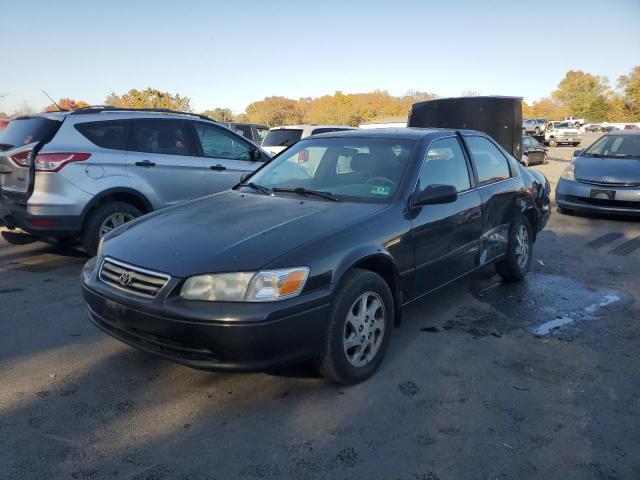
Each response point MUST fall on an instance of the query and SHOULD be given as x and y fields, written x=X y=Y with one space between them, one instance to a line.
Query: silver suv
x=65 y=175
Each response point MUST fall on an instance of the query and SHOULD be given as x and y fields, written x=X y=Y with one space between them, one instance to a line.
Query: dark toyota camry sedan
x=605 y=177
x=314 y=255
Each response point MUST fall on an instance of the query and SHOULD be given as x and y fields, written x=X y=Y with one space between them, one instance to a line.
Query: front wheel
x=104 y=219
x=537 y=130
x=515 y=265
x=359 y=328
x=552 y=142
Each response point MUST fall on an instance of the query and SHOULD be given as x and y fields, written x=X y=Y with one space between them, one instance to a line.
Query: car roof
x=302 y=127
x=407 y=132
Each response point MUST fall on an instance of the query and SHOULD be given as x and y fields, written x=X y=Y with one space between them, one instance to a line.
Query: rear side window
x=23 y=131
x=245 y=130
x=162 y=136
x=491 y=164
x=105 y=134
x=284 y=137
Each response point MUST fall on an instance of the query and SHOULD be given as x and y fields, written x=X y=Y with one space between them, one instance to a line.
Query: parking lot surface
x=483 y=380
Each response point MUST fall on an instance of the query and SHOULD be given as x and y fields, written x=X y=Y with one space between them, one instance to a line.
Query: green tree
x=219 y=114
x=583 y=94
x=630 y=85
x=149 y=98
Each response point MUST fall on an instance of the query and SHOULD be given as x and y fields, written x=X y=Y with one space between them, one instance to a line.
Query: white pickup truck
x=557 y=133
x=576 y=122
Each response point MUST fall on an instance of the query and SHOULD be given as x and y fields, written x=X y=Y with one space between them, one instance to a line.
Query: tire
x=347 y=365
x=575 y=144
x=537 y=130
x=545 y=159
x=513 y=267
x=552 y=142
x=91 y=232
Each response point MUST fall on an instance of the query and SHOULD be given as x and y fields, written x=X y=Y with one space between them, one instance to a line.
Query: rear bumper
x=577 y=196
x=15 y=214
x=234 y=337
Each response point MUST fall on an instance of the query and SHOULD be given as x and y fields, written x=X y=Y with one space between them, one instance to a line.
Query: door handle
x=146 y=163
x=218 y=167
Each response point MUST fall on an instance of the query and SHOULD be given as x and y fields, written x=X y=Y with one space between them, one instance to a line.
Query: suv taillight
x=21 y=159
x=53 y=162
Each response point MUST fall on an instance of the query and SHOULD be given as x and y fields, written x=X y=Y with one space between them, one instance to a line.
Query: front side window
x=490 y=163
x=163 y=137
x=445 y=164
x=111 y=135
x=217 y=143
x=364 y=169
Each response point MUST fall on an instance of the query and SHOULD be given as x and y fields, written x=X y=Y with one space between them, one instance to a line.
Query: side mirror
x=577 y=153
x=437 y=194
x=256 y=155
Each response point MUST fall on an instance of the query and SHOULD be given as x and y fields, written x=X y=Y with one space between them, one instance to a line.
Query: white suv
x=65 y=175
x=280 y=138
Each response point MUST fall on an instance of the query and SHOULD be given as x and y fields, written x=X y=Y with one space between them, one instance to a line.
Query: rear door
x=500 y=188
x=446 y=236
x=17 y=144
x=227 y=157
x=163 y=162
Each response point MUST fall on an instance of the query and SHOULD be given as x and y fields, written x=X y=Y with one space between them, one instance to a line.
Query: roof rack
x=107 y=108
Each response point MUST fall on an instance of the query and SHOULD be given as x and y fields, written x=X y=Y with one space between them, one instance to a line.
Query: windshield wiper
x=304 y=191
x=259 y=188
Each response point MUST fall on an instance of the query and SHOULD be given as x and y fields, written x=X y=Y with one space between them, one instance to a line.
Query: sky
x=230 y=53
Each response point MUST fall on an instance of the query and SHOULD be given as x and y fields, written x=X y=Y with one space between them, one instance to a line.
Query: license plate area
x=603 y=194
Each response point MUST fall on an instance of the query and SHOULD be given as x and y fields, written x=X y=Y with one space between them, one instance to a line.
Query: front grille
x=128 y=278
x=608 y=184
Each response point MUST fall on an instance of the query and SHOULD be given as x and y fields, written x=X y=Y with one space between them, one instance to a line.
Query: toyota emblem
x=126 y=278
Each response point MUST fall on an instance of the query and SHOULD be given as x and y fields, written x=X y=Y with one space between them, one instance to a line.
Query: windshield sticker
x=380 y=190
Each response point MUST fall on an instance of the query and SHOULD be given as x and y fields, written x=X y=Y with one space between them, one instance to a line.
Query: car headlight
x=569 y=172
x=262 y=286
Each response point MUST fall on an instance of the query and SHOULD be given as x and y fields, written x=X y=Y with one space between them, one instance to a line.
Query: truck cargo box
x=499 y=117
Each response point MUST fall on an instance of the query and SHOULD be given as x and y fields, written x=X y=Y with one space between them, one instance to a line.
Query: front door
x=162 y=162
x=227 y=157
x=446 y=236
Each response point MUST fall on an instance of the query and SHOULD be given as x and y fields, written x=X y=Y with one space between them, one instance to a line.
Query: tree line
x=579 y=94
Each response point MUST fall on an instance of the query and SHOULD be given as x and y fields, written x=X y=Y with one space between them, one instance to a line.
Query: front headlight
x=569 y=172
x=263 y=286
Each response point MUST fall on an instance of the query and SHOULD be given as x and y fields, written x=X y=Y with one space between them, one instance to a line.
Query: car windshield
x=562 y=125
x=360 y=169
x=615 y=146
x=282 y=137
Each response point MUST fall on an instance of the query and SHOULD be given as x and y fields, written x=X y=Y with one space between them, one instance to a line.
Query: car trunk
x=19 y=143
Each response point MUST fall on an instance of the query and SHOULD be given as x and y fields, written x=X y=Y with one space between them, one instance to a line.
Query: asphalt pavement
x=484 y=380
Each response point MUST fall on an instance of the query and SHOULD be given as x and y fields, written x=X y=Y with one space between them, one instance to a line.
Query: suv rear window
x=284 y=137
x=26 y=130
x=105 y=134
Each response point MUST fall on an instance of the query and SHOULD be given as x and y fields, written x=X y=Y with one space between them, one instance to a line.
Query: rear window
x=318 y=131
x=105 y=134
x=23 y=131
x=282 y=137
x=245 y=130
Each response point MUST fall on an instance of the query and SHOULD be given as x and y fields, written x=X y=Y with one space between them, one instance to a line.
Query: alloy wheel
x=522 y=247
x=112 y=221
x=364 y=329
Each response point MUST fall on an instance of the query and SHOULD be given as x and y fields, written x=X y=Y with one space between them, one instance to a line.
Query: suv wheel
x=104 y=219
x=359 y=328
x=537 y=130
x=515 y=265
x=552 y=142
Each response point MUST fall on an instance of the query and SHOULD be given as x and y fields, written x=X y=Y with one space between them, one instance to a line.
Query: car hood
x=230 y=231
x=608 y=170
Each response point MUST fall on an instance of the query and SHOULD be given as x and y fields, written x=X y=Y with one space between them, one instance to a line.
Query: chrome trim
x=146 y=283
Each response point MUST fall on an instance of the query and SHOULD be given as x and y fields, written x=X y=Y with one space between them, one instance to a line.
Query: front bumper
x=568 y=139
x=587 y=197
x=220 y=336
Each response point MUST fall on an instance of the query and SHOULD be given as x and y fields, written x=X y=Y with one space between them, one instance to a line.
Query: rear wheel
x=104 y=219
x=359 y=328
x=552 y=142
x=515 y=265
